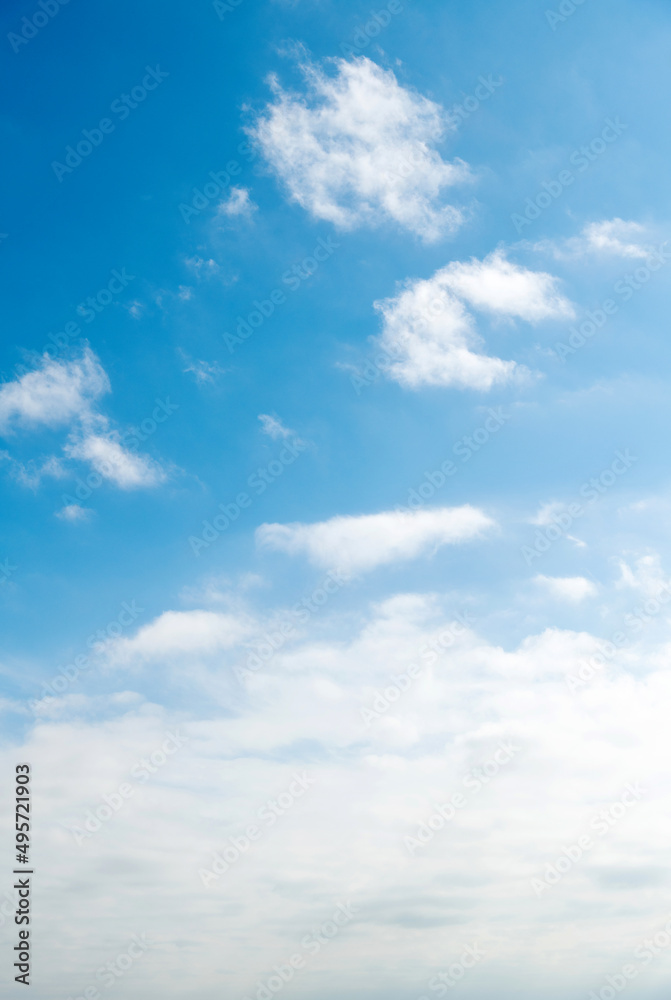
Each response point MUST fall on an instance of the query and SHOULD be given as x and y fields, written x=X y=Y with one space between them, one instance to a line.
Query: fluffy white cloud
x=431 y=338
x=56 y=393
x=358 y=544
x=567 y=588
x=357 y=148
x=179 y=633
x=498 y=286
x=114 y=462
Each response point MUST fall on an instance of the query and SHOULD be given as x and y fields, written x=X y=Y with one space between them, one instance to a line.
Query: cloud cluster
x=388 y=748
x=65 y=392
x=357 y=149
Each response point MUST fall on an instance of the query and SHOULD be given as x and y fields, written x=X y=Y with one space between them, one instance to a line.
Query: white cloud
x=646 y=576
x=376 y=782
x=431 y=338
x=65 y=392
x=114 y=462
x=615 y=236
x=567 y=588
x=74 y=513
x=498 y=286
x=56 y=393
x=274 y=428
x=238 y=203
x=179 y=633
x=32 y=473
x=358 y=544
x=358 y=148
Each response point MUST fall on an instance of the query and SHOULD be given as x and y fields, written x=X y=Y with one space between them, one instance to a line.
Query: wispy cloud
x=617 y=237
x=274 y=428
x=605 y=238
x=32 y=473
x=202 y=267
x=203 y=371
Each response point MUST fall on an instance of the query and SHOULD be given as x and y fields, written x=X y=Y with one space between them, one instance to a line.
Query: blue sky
x=480 y=181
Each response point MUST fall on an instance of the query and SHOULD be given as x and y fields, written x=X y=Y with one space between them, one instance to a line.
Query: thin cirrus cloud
x=204 y=372
x=431 y=337
x=359 y=544
x=274 y=428
x=646 y=575
x=65 y=393
x=357 y=149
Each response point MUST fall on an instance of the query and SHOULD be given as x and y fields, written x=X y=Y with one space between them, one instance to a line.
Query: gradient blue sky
x=362 y=449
